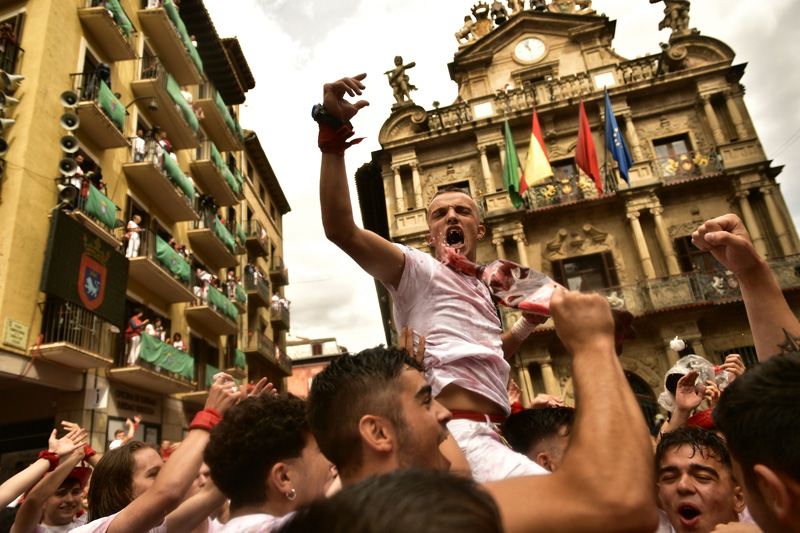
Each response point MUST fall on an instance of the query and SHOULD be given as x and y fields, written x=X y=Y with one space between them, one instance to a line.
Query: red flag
x=585 y=154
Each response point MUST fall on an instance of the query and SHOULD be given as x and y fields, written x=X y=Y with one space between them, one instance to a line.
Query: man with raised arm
x=466 y=349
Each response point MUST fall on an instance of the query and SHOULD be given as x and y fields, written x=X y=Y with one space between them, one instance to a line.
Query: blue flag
x=616 y=144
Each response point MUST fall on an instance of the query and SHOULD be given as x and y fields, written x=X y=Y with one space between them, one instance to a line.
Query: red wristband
x=334 y=141
x=135 y=427
x=88 y=451
x=206 y=419
x=517 y=407
x=50 y=456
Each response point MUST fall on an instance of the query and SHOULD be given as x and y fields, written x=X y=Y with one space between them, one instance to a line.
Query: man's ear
x=377 y=433
x=428 y=238
x=481 y=231
x=544 y=461
x=776 y=490
x=280 y=478
x=738 y=499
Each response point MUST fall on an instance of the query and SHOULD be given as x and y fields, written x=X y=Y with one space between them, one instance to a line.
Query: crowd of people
x=430 y=436
x=138 y=325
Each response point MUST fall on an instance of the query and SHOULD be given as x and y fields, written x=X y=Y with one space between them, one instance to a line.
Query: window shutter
x=611 y=268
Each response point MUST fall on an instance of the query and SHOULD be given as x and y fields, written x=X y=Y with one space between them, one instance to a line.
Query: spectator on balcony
x=7 y=36
x=153 y=4
x=134 y=335
x=201 y=289
x=231 y=285
x=250 y=272
x=177 y=342
x=138 y=146
x=134 y=240
x=276 y=303
x=156 y=330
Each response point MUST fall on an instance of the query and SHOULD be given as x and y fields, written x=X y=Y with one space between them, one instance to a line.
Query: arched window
x=645 y=397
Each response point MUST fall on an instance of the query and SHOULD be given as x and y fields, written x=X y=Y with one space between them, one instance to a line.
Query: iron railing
x=260 y=342
x=68 y=322
x=253 y=282
x=688 y=165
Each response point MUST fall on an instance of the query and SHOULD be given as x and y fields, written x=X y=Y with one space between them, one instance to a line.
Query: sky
x=294 y=47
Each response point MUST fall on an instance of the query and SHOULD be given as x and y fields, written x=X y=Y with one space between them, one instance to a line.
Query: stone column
x=551 y=386
x=637 y=152
x=787 y=247
x=641 y=245
x=522 y=249
x=736 y=116
x=502 y=149
x=716 y=131
x=488 y=180
x=417 y=186
x=750 y=223
x=525 y=383
x=398 y=190
x=664 y=242
x=498 y=246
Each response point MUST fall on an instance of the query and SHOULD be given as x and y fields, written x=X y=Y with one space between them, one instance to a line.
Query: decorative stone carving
x=483 y=24
x=466 y=31
x=588 y=240
x=676 y=15
x=464 y=172
x=681 y=230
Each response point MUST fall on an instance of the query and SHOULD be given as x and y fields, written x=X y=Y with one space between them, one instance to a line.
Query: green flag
x=113 y=107
x=174 y=91
x=177 y=176
x=511 y=169
x=222 y=304
x=171 y=259
x=240 y=294
x=120 y=16
x=166 y=356
x=241 y=360
x=100 y=206
x=240 y=234
x=225 y=114
x=223 y=233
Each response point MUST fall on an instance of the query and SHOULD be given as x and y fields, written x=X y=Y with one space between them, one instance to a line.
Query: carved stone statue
x=483 y=24
x=516 y=6
x=676 y=15
x=398 y=80
x=499 y=13
x=466 y=31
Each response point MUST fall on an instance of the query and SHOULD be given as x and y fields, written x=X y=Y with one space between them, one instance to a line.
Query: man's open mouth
x=454 y=236
x=688 y=512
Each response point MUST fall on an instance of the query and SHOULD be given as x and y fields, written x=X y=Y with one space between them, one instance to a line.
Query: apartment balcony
x=95 y=211
x=278 y=273
x=211 y=173
x=167 y=34
x=257 y=289
x=11 y=56
x=216 y=314
x=688 y=166
x=218 y=122
x=102 y=116
x=160 y=368
x=76 y=338
x=161 y=181
x=238 y=297
x=258 y=345
x=279 y=317
x=213 y=242
x=162 y=270
x=256 y=239
x=411 y=222
x=172 y=112
x=236 y=363
x=114 y=34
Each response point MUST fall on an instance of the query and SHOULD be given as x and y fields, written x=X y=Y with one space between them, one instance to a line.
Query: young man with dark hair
x=541 y=434
x=696 y=485
x=466 y=346
x=607 y=475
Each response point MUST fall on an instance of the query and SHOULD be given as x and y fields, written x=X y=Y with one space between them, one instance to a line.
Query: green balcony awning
x=226 y=173
x=171 y=259
x=222 y=304
x=226 y=114
x=241 y=360
x=120 y=17
x=177 y=176
x=166 y=356
x=223 y=233
x=240 y=234
x=113 y=107
x=174 y=91
x=240 y=294
x=100 y=206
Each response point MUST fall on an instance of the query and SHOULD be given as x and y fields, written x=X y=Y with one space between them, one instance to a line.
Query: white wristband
x=522 y=328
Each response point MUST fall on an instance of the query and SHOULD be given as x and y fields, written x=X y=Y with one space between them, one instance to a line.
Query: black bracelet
x=321 y=115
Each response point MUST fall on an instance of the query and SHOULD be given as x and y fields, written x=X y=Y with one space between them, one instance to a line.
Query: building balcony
x=213 y=242
x=95 y=211
x=236 y=363
x=76 y=338
x=160 y=368
x=278 y=273
x=162 y=270
x=741 y=153
x=160 y=181
x=256 y=239
x=241 y=240
x=258 y=345
x=688 y=166
x=411 y=222
x=11 y=57
x=218 y=122
x=279 y=317
x=168 y=37
x=257 y=289
x=204 y=377
x=211 y=173
x=114 y=34
x=172 y=112
x=238 y=297
x=102 y=116
x=216 y=314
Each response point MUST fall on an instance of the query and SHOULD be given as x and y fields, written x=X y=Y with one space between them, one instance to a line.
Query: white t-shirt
x=101 y=526
x=255 y=523
x=78 y=522
x=462 y=331
x=115 y=444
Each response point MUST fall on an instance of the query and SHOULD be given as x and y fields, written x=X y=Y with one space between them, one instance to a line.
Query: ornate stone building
x=696 y=155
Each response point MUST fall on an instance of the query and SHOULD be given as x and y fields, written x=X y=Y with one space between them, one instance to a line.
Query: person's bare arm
x=195 y=510
x=173 y=481
x=377 y=256
x=522 y=328
x=608 y=476
x=131 y=429
x=776 y=331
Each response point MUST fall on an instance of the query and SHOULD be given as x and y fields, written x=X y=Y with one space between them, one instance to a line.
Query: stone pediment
x=403 y=122
x=694 y=50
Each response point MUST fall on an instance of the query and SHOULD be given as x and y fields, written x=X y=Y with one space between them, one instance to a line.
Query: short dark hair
x=111 y=489
x=349 y=388
x=402 y=501
x=701 y=440
x=530 y=426
x=759 y=417
x=446 y=189
x=251 y=438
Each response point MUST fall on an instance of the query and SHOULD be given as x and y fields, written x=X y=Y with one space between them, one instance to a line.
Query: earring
x=291 y=495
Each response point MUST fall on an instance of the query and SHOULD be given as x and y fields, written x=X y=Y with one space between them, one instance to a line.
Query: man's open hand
x=333 y=96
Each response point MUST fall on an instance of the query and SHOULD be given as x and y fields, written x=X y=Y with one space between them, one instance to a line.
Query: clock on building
x=529 y=49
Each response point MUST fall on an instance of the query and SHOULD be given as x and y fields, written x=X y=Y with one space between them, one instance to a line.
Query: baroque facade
x=696 y=155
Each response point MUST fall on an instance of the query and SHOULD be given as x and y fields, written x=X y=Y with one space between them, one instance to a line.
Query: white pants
x=135 y=348
x=490 y=459
x=133 y=245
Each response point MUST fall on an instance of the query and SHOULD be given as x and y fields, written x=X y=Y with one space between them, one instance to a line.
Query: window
x=644 y=396
x=563 y=170
x=748 y=354
x=587 y=272
x=671 y=147
x=10 y=34
x=463 y=185
x=316 y=349
x=692 y=259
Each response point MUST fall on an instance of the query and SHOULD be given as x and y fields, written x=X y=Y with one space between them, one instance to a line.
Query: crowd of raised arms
x=430 y=436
